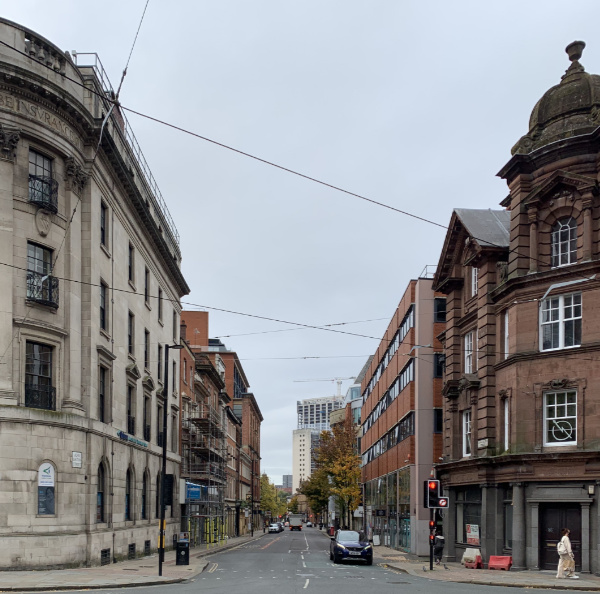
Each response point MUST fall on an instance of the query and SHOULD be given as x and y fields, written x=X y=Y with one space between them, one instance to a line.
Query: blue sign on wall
x=192 y=491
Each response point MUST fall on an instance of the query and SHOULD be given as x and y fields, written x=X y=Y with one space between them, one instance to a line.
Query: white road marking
x=306 y=584
x=303 y=564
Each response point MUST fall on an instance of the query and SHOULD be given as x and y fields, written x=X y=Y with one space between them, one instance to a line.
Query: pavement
x=144 y=572
x=455 y=572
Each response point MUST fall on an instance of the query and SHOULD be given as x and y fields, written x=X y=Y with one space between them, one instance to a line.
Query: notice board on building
x=473 y=534
x=46 y=485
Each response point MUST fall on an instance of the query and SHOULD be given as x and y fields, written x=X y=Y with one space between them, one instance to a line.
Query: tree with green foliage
x=317 y=490
x=269 y=502
x=293 y=505
x=337 y=456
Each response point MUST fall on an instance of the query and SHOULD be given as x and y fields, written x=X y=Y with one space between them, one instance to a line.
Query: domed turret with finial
x=571 y=108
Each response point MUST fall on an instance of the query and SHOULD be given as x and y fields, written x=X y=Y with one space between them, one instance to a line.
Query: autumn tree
x=316 y=488
x=337 y=456
x=269 y=502
x=293 y=505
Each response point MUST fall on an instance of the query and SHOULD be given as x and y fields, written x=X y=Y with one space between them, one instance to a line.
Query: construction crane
x=339 y=381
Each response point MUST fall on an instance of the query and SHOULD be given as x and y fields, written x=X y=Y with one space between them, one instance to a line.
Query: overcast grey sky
x=411 y=103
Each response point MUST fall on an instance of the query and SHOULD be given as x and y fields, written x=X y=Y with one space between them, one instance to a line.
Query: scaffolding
x=204 y=460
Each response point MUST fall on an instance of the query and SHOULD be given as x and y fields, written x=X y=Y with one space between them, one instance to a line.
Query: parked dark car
x=350 y=545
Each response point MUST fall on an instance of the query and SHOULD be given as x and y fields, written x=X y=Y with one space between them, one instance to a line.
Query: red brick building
x=244 y=406
x=522 y=344
x=401 y=419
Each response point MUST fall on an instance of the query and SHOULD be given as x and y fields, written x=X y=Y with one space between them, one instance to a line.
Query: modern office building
x=313 y=413
x=522 y=344
x=402 y=419
x=91 y=284
x=313 y=417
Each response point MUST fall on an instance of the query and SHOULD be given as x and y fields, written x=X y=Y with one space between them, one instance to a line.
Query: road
x=298 y=563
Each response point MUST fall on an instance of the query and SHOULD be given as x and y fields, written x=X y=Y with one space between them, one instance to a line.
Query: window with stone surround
x=466 y=433
x=144 y=506
x=39 y=389
x=131 y=264
x=128 y=501
x=564 y=242
x=470 y=365
x=103 y=306
x=468 y=512
x=474 y=279
x=43 y=188
x=560 y=418
x=560 y=323
x=103 y=224
x=131 y=334
x=100 y=491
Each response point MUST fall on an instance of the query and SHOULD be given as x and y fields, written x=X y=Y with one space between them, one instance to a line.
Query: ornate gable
x=562 y=184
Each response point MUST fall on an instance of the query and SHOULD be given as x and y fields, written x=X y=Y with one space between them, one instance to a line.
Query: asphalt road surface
x=298 y=563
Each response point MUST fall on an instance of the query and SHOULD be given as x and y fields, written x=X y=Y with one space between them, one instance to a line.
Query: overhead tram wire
x=244 y=314
x=68 y=226
x=267 y=162
x=271 y=163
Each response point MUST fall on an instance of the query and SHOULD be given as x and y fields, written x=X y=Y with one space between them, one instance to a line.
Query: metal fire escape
x=204 y=461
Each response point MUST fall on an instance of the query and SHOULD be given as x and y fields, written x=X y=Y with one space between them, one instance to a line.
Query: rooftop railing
x=92 y=61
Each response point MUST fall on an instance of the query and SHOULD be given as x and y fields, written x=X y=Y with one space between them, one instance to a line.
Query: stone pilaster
x=587 y=227
x=9 y=139
x=75 y=180
x=518 y=527
x=533 y=242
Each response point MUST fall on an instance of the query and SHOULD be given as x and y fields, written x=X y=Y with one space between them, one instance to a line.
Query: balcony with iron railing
x=42 y=288
x=43 y=192
x=37 y=396
x=131 y=146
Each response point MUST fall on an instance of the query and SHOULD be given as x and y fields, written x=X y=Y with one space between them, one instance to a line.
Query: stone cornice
x=592 y=347
x=578 y=146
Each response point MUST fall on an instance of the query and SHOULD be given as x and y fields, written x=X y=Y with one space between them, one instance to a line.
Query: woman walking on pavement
x=566 y=563
x=438 y=547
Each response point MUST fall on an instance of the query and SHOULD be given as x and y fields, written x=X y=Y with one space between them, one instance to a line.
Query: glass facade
x=388 y=509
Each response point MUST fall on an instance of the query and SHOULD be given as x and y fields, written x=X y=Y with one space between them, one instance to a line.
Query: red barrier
x=500 y=562
x=477 y=564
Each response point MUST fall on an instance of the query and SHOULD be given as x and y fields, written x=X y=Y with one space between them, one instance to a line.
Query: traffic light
x=431 y=524
x=432 y=495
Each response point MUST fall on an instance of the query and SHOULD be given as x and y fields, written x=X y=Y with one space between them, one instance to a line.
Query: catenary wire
x=265 y=161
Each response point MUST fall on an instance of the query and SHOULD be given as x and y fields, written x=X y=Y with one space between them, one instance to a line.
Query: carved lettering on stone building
x=40 y=115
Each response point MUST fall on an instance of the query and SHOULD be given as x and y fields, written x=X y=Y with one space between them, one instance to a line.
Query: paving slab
x=142 y=571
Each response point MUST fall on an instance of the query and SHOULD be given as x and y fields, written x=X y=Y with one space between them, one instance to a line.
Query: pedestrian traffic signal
x=431 y=524
x=431 y=496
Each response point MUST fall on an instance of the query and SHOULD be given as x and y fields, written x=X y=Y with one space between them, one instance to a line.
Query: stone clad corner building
x=522 y=344
x=91 y=283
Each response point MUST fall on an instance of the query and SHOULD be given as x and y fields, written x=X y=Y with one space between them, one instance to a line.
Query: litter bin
x=331 y=531
x=183 y=553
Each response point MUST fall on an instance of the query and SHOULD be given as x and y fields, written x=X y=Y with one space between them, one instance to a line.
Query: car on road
x=280 y=526
x=274 y=528
x=309 y=524
x=350 y=545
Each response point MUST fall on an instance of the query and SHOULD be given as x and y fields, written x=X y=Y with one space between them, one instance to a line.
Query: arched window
x=564 y=242
x=100 y=495
x=128 y=495
x=145 y=497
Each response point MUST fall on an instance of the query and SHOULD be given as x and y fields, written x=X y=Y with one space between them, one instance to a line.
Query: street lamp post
x=162 y=530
